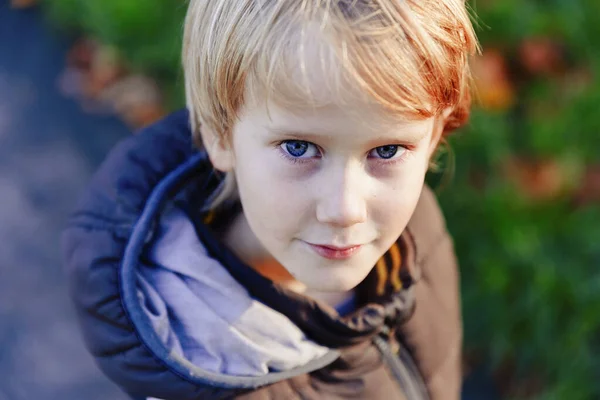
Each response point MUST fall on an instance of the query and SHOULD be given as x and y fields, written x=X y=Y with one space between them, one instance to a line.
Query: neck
x=331 y=298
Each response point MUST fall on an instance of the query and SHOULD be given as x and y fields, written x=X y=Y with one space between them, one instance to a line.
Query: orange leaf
x=494 y=88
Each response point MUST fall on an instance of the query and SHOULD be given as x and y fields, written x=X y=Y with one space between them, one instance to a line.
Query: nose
x=342 y=199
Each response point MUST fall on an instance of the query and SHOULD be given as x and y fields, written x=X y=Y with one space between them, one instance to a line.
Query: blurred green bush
x=523 y=205
x=146 y=33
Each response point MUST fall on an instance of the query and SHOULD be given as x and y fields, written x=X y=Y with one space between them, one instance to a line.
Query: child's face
x=333 y=176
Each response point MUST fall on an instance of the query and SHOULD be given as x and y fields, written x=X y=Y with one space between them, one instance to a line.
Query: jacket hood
x=182 y=291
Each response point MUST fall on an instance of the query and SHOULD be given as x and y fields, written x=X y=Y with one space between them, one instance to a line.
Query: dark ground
x=48 y=148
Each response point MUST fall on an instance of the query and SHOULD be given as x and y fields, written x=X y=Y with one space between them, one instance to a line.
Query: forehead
x=357 y=125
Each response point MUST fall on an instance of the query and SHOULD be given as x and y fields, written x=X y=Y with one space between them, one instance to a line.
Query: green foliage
x=530 y=276
x=147 y=33
x=530 y=280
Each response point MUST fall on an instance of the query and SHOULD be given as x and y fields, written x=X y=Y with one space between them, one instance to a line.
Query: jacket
x=169 y=312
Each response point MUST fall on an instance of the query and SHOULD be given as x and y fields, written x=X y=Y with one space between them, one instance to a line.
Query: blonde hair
x=409 y=56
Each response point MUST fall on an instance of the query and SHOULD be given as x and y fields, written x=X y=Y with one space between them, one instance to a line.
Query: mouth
x=334 y=252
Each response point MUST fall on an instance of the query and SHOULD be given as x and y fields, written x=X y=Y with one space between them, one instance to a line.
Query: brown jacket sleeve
x=434 y=332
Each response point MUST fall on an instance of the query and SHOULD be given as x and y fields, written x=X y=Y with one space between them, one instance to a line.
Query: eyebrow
x=409 y=135
x=412 y=136
x=297 y=134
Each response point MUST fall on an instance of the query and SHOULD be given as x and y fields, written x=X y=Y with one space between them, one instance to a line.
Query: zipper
x=403 y=368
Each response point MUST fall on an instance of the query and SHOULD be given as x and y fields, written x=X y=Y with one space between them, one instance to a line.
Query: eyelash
x=298 y=160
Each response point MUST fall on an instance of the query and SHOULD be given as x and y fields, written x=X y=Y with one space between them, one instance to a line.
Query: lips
x=334 y=252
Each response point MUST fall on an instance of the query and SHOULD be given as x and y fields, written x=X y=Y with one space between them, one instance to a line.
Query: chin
x=332 y=284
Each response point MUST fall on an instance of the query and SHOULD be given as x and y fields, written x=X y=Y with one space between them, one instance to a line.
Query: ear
x=438 y=129
x=219 y=149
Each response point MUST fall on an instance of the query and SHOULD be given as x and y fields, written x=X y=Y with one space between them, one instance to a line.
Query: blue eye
x=296 y=148
x=386 y=152
x=299 y=148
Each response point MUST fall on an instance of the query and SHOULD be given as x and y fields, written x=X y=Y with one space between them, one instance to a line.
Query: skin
x=322 y=176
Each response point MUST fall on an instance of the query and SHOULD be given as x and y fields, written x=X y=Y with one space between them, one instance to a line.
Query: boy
x=296 y=252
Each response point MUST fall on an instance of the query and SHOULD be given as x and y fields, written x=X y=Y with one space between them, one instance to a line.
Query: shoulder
x=94 y=244
x=120 y=186
x=426 y=228
x=434 y=332
x=142 y=159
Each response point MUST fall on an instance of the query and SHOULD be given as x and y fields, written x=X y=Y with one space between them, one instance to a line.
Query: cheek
x=274 y=204
x=397 y=199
